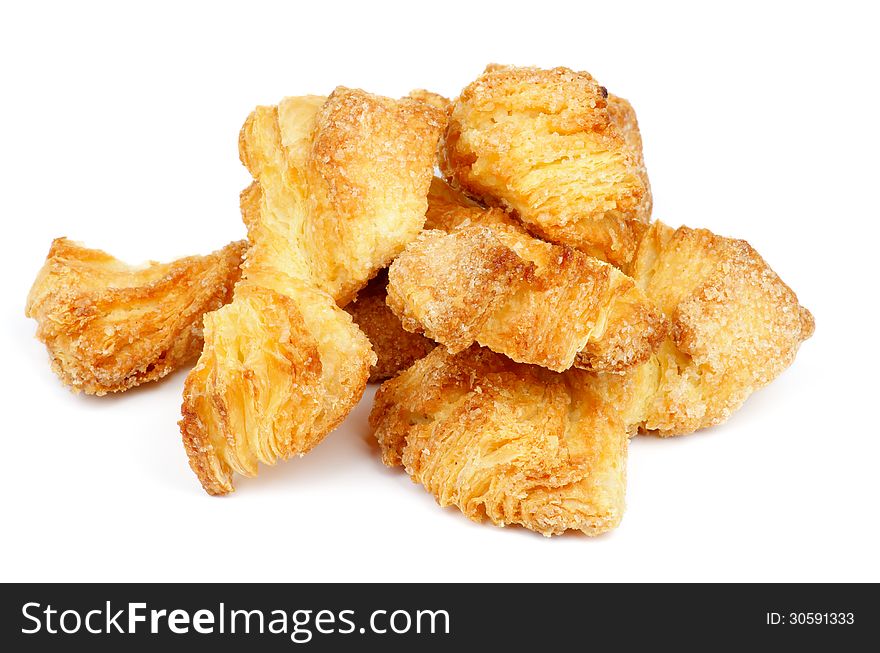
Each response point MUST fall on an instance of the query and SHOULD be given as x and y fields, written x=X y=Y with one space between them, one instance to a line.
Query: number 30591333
x=810 y=618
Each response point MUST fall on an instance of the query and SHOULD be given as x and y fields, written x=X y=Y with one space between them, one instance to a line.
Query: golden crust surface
x=282 y=366
x=109 y=326
x=443 y=106
x=535 y=302
x=550 y=146
x=435 y=100
x=350 y=179
x=623 y=117
x=449 y=209
x=339 y=188
x=504 y=441
x=735 y=326
x=396 y=349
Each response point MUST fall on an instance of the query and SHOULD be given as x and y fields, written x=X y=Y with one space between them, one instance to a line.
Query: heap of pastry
x=526 y=315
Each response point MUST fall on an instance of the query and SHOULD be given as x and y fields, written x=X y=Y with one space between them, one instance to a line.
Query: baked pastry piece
x=504 y=441
x=735 y=326
x=449 y=209
x=439 y=102
x=369 y=160
x=623 y=117
x=436 y=100
x=340 y=187
x=551 y=147
x=519 y=444
x=109 y=326
x=395 y=348
x=535 y=302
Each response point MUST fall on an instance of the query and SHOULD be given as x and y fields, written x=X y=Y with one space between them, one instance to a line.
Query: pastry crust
x=435 y=100
x=449 y=209
x=109 y=326
x=340 y=186
x=735 y=326
x=512 y=443
x=318 y=174
x=396 y=349
x=535 y=302
x=442 y=104
x=519 y=444
x=623 y=117
x=551 y=147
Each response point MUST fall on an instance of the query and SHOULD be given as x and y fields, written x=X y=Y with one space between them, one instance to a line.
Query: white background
x=119 y=129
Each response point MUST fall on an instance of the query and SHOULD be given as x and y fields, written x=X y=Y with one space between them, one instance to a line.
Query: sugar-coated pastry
x=735 y=326
x=533 y=301
x=109 y=326
x=396 y=349
x=340 y=187
x=550 y=146
x=436 y=100
x=368 y=157
x=623 y=117
x=507 y=442
x=449 y=209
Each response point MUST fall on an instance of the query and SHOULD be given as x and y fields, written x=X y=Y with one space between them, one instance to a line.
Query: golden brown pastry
x=449 y=209
x=442 y=104
x=549 y=146
x=340 y=187
x=436 y=100
x=735 y=327
x=535 y=302
x=310 y=184
x=395 y=348
x=519 y=444
x=512 y=443
x=109 y=326
x=623 y=117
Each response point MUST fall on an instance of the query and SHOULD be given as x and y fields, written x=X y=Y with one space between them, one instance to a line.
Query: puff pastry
x=340 y=187
x=353 y=194
x=109 y=326
x=449 y=209
x=435 y=100
x=507 y=442
x=396 y=349
x=519 y=444
x=735 y=326
x=623 y=117
x=535 y=302
x=550 y=146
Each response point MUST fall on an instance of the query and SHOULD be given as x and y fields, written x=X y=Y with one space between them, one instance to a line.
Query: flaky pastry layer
x=504 y=441
x=396 y=349
x=735 y=326
x=535 y=302
x=551 y=146
x=109 y=326
x=339 y=188
x=344 y=182
x=450 y=209
x=623 y=117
